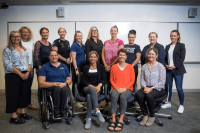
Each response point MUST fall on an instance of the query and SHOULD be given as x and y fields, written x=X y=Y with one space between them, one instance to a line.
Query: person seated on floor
x=55 y=76
x=122 y=78
x=152 y=80
x=93 y=79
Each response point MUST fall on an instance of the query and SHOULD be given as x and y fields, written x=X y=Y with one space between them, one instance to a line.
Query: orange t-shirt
x=122 y=78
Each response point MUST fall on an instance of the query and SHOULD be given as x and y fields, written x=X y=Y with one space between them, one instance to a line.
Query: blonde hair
x=76 y=35
x=31 y=33
x=90 y=32
x=153 y=33
x=61 y=28
x=115 y=26
x=178 y=33
x=10 y=42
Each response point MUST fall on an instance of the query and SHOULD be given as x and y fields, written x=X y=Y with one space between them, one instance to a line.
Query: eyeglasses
x=15 y=36
x=94 y=30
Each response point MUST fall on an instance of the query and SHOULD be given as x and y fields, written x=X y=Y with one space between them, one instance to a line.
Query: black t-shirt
x=93 y=78
x=63 y=47
x=132 y=50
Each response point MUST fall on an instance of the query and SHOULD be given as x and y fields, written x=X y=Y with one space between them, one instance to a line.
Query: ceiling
x=81 y=2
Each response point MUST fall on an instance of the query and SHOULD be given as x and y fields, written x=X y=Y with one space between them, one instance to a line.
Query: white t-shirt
x=29 y=47
x=170 y=55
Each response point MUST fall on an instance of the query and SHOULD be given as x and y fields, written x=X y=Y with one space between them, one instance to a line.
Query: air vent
x=143 y=2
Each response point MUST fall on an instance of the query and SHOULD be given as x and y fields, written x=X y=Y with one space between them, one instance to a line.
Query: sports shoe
x=166 y=105
x=180 y=109
x=87 y=123
x=100 y=117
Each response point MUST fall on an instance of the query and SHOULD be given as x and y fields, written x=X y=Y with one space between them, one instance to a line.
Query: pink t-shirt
x=111 y=50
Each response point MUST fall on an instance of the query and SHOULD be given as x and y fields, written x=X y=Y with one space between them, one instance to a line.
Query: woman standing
x=93 y=80
x=152 y=80
x=26 y=36
x=175 y=56
x=93 y=43
x=153 y=36
x=78 y=58
x=41 y=52
x=122 y=78
x=134 y=52
x=63 y=47
x=109 y=54
x=17 y=69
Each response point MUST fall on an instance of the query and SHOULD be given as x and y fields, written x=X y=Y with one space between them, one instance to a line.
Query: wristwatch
x=76 y=69
x=153 y=88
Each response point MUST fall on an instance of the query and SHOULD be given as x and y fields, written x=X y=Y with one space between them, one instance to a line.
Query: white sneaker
x=166 y=105
x=180 y=109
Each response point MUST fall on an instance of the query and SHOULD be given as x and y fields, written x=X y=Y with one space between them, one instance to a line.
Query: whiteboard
x=190 y=36
x=142 y=28
x=52 y=26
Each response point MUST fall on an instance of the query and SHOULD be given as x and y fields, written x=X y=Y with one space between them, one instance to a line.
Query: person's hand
x=172 y=67
x=56 y=83
x=77 y=72
x=167 y=66
x=62 y=85
x=108 y=68
x=39 y=67
x=68 y=60
x=26 y=75
x=98 y=88
x=22 y=75
x=32 y=70
x=147 y=90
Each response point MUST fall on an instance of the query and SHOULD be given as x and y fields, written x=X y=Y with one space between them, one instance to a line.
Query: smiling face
x=93 y=58
x=45 y=34
x=122 y=57
x=62 y=33
x=15 y=38
x=153 y=38
x=79 y=37
x=53 y=57
x=25 y=34
x=131 y=38
x=174 y=37
x=113 y=32
x=94 y=32
x=152 y=56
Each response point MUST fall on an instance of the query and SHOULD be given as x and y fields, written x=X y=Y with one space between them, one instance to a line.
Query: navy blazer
x=161 y=53
x=178 y=57
x=101 y=75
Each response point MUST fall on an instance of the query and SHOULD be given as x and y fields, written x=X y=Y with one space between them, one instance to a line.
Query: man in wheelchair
x=56 y=77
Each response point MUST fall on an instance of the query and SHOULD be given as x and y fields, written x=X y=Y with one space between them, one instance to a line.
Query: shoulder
x=181 y=44
x=129 y=66
x=107 y=41
x=38 y=43
x=137 y=46
x=161 y=65
x=7 y=50
x=159 y=45
x=120 y=41
x=145 y=66
x=114 y=66
x=100 y=66
x=86 y=67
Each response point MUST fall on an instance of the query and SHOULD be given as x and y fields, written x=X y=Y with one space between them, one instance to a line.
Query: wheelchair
x=47 y=108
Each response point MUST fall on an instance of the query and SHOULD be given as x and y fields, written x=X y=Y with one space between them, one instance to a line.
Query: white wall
x=99 y=13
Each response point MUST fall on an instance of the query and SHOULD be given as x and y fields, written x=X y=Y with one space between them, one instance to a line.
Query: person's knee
x=122 y=98
x=57 y=89
x=149 y=96
x=65 y=89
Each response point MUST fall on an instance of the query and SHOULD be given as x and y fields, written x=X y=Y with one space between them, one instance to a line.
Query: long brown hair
x=10 y=42
x=178 y=33
x=76 y=35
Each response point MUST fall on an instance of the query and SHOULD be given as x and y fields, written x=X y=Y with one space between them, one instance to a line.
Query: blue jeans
x=179 y=83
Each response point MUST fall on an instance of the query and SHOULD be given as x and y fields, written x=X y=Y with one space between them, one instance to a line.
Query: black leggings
x=17 y=92
x=142 y=97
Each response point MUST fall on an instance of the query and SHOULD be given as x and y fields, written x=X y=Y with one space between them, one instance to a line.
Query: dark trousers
x=17 y=92
x=108 y=83
x=142 y=97
x=39 y=90
x=179 y=83
x=30 y=84
x=60 y=97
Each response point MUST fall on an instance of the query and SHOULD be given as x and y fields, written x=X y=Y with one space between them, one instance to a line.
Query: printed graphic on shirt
x=130 y=50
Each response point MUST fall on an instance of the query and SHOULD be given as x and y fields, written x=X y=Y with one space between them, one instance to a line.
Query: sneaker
x=63 y=113
x=25 y=116
x=17 y=120
x=57 y=114
x=79 y=105
x=166 y=105
x=87 y=123
x=180 y=109
x=100 y=117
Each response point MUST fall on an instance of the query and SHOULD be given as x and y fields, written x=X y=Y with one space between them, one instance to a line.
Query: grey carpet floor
x=188 y=122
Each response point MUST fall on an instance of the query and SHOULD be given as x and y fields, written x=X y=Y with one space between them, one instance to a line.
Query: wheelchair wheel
x=44 y=107
x=70 y=106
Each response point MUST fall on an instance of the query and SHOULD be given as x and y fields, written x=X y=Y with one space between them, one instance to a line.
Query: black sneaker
x=17 y=120
x=63 y=113
x=57 y=114
x=25 y=116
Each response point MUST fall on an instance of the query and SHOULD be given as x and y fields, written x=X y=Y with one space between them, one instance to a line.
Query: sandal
x=121 y=126
x=112 y=126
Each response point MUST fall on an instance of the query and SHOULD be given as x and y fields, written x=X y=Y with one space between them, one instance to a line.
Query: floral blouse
x=153 y=76
x=13 y=58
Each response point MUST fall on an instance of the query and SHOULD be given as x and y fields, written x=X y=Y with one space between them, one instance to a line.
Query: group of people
x=112 y=62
